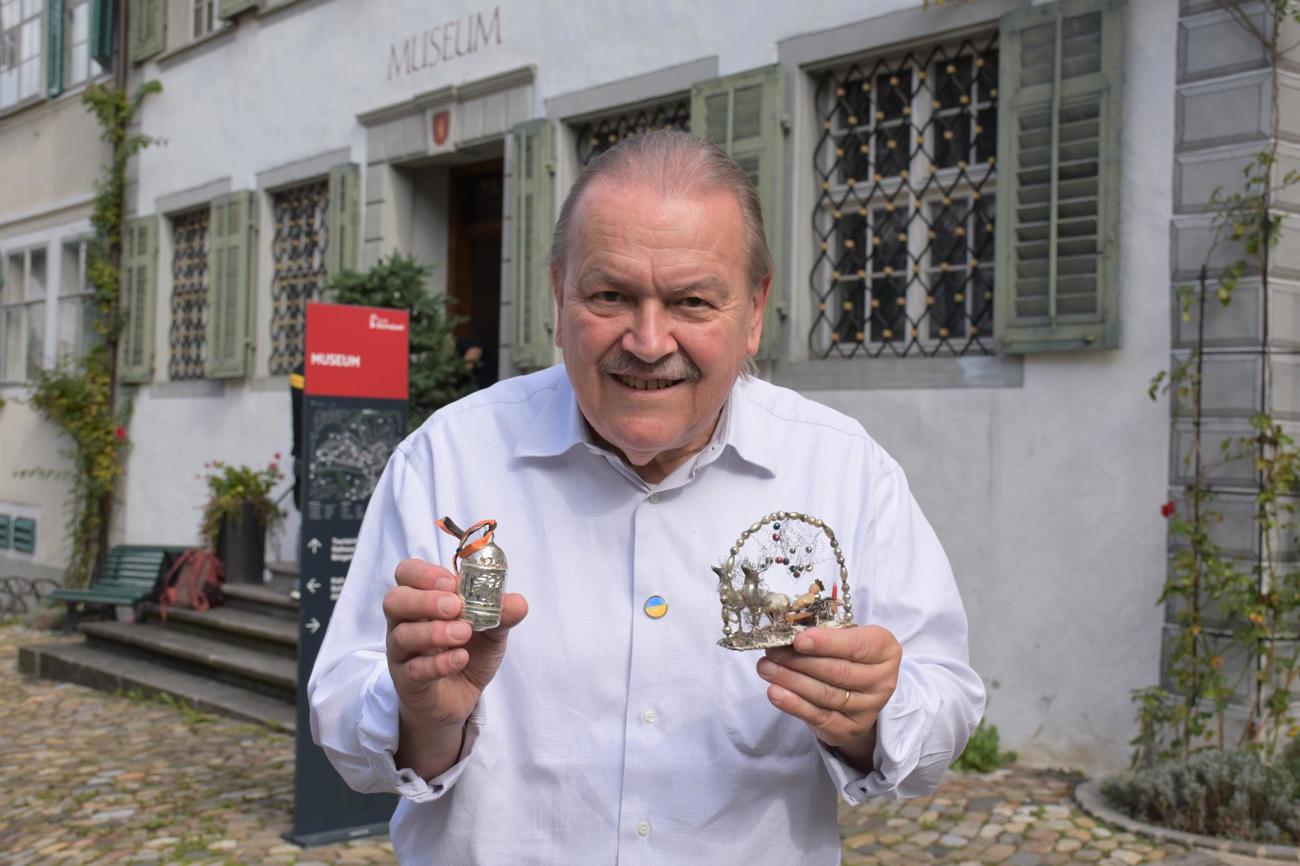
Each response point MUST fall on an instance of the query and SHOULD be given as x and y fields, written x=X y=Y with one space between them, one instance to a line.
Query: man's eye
x=608 y=297
x=694 y=303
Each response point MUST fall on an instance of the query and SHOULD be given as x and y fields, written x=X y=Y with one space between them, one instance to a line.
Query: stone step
x=245 y=627
x=98 y=668
x=278 y=597
x=283 y=569
x=266 y=673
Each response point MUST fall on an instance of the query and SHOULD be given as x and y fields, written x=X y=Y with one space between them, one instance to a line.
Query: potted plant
x=237 y=515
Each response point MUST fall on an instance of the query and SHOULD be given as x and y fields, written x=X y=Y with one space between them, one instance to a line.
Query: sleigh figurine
x=777 y=553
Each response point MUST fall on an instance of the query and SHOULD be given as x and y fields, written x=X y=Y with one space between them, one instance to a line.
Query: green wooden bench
x=128 y=577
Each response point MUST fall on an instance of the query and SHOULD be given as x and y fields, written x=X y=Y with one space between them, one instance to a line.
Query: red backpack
x=193 y=581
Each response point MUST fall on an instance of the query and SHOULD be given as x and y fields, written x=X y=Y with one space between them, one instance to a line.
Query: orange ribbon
x=466 y=546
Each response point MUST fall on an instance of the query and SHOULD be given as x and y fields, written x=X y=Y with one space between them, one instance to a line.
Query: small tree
x=438 y=373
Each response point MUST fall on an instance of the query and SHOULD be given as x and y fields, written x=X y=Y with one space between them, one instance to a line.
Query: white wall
x=1045 y=495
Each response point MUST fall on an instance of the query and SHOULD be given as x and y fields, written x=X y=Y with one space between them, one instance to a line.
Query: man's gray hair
x=676 y=164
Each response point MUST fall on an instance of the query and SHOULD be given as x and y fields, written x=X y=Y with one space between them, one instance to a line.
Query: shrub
x=982 y=753
x=438 y=374
x=1234 y=795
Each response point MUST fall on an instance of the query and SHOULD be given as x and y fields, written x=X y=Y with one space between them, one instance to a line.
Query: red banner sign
x=357 y=352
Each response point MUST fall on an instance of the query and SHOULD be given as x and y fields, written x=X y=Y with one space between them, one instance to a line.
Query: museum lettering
x=443 y=43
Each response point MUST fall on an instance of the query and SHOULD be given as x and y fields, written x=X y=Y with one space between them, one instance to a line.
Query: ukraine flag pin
x=655 y=606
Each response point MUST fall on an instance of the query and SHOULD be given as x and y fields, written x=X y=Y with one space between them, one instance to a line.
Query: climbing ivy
x=79 y=396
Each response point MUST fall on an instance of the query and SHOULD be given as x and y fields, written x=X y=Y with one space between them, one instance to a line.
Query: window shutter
x=139 y=276
x=5 y=524
x=101 y=31
x=1060 y=76
x=231 y=8
x=24 y=535
x=55 y=23
x=148 y=29
x=230 y=275
x=343 y=220
x=534 y=219
x=744 y=115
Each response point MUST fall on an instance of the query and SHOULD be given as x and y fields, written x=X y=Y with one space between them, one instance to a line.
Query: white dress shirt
x=608 y=736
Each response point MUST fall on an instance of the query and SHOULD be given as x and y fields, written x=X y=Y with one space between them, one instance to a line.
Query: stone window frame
x=803 y=58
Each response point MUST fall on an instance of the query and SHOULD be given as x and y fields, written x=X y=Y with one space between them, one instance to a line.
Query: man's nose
x=649 y=336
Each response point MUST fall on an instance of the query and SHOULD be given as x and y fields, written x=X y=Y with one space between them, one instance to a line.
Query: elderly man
x=591 y=726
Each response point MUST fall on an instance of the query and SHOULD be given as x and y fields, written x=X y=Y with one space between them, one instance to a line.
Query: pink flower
x=276 y=455
x=120 y=433
x=1167 y=510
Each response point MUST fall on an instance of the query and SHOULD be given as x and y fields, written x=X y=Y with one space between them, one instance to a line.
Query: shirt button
x=643 y=829
x=654 y=498
x=649 y=716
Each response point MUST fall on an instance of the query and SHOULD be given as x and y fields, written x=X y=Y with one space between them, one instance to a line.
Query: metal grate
x=903 y=220
x=298 y=250
x=599 y=135
x=191 y=238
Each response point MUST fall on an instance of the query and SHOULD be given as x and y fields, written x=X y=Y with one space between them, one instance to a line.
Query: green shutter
x=1060 y=79
x=139 y=278
x=5 y=524
x=230 y=277
x=24 y=535
x=56 y=20
x=744 y=114
x=534 y=220
x=148 y=29
x=102 y=19
x=343 y=220
x=231 y=8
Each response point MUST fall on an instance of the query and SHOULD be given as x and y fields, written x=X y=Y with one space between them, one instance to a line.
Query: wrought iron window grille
x=299 y=271
x=191 y=244
x=596 y=136
x=905 y=167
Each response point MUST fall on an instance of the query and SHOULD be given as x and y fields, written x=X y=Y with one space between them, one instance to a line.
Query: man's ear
x=759 y=300
x=557 y=291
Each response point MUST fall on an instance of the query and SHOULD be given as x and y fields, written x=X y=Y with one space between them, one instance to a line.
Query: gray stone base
x=1089 y=797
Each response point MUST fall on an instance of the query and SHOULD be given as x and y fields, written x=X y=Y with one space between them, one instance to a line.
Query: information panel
x=354 y=415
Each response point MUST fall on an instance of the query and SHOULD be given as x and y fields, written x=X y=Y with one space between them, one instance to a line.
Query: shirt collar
x=559 y=427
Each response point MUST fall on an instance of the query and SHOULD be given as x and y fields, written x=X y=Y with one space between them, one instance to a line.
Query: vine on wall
x=1224 y=608
x=80 y=396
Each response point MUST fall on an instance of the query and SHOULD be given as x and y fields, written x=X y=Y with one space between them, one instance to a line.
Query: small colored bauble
x=770 y=606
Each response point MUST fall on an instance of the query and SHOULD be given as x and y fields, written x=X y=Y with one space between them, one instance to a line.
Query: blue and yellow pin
x=655 y=606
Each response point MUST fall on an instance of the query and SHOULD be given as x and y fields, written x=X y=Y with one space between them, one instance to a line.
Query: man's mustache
x=675 y=366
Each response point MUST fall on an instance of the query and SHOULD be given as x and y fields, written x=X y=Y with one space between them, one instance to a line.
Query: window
x=80 y=65
x=77 y=313
x=594 y=137
x=20 y=50
x=904 y=216
x=300 y=271
x=22 y=315
x=191 y=244
x=205 y=18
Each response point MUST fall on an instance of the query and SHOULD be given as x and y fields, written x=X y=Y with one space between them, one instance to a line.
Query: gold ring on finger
x=847 y=696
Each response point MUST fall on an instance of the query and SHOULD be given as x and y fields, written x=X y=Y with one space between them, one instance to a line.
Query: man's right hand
x=439 y=665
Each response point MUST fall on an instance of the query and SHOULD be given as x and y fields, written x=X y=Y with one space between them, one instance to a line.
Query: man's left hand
x=837 y=680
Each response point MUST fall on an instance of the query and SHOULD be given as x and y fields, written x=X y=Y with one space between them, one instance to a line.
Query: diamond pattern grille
x=903 y=221
x=598 y=136
x=298 y=250
x=192 y=238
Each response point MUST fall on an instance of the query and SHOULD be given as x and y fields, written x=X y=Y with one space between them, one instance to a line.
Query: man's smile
x=639 y=384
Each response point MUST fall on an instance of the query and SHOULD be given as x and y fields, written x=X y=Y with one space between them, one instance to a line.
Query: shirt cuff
x=900 y=731
x=378 y=734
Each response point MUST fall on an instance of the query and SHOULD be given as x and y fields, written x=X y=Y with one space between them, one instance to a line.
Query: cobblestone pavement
x=87 y=777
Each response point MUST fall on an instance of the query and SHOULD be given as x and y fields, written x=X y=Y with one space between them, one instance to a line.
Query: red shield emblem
x=441 y=126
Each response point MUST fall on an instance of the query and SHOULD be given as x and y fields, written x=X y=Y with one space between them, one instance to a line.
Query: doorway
x=474 y=261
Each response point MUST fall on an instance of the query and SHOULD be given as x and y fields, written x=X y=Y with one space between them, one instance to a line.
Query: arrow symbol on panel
x=313 y=625
x=313 y=585
x=314 y=545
